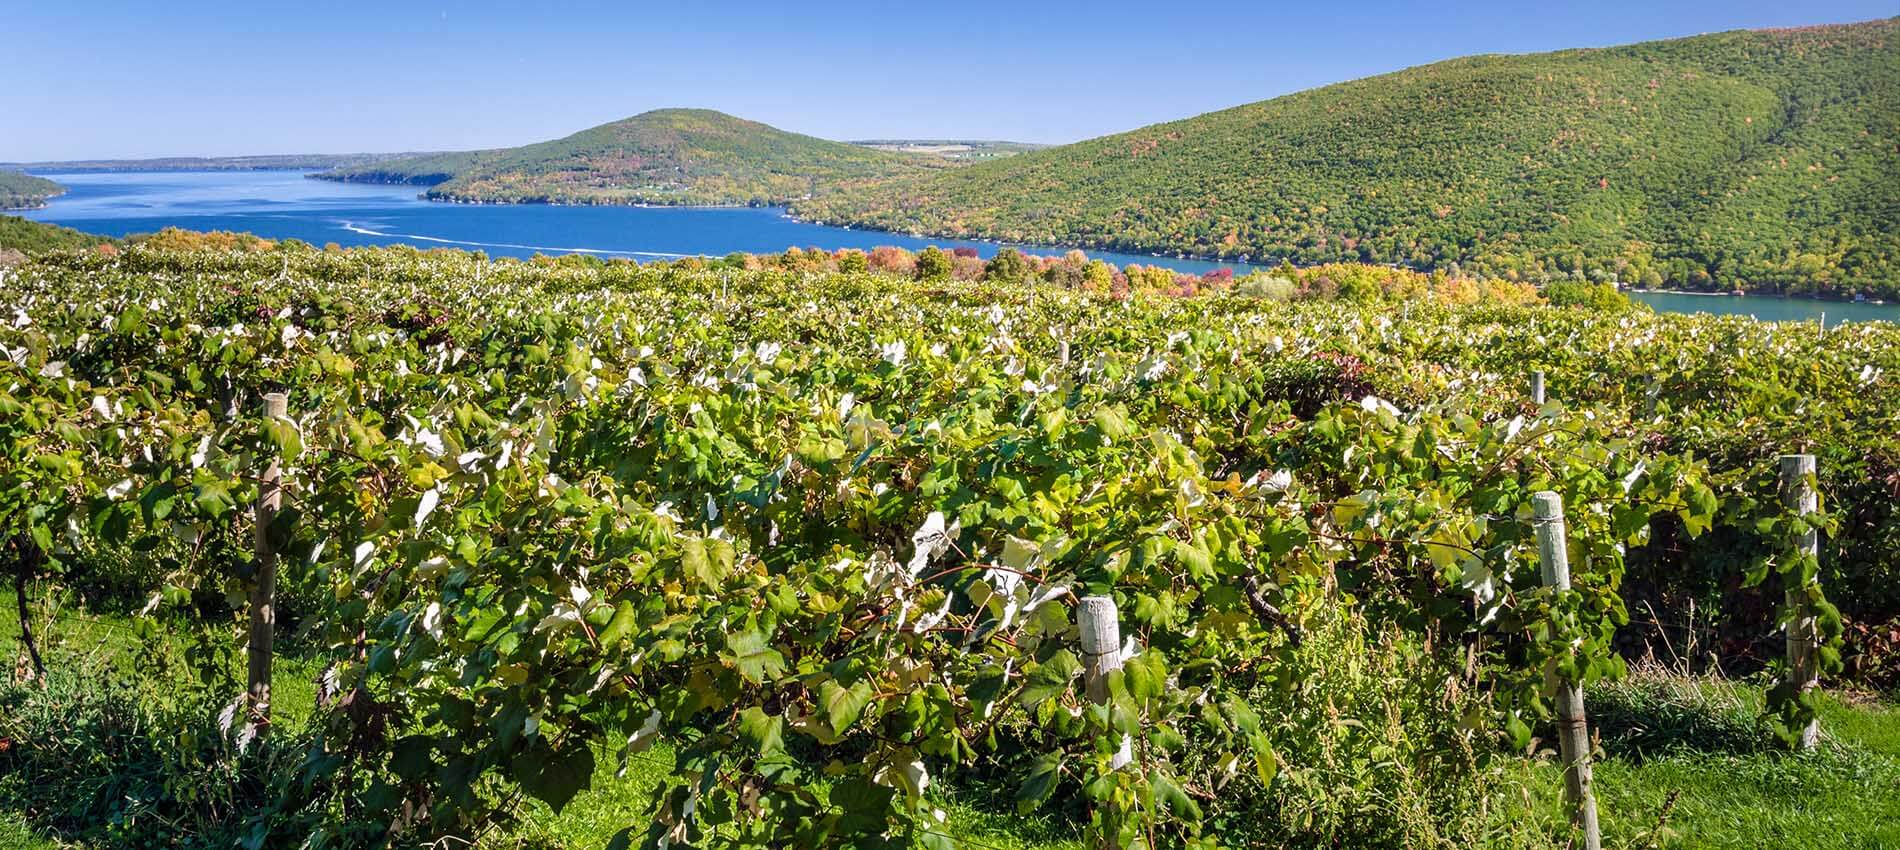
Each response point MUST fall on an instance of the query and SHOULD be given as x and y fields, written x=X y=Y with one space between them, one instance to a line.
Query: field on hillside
x=803 y=551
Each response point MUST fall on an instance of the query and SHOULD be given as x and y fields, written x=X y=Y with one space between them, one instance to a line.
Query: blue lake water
x=286 y=205
x=1769 y=309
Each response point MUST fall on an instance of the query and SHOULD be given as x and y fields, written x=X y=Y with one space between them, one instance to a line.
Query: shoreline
x=539 y=202
x=789 y=212
x=786 y=211
x=1685 y=292
x=1764 y=295
x=1131 y=252
x=41 y=204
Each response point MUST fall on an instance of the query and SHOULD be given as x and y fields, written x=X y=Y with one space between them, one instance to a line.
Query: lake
x=286 y=205
x=1768 y=308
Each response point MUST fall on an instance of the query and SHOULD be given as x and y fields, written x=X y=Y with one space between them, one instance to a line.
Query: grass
x=15 y=835
x=1684 y=766
x=102 y=643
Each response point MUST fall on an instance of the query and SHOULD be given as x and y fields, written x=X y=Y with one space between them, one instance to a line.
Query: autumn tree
x=1098 y=277
x=933 y=263
x=887 y=258
x=1008 y=266
x=853 y=261
x=966 y=268
x=1149 y=279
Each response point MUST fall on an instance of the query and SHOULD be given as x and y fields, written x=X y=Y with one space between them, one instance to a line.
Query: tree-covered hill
x=20 y=236
x=19 y=190
x=421 y=170
x=667 y=156
x=1761 y=159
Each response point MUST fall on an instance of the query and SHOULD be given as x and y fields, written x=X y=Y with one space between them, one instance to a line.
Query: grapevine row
x=822 y=535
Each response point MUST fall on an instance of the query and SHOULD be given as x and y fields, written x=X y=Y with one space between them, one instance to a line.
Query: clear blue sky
x=215 y=77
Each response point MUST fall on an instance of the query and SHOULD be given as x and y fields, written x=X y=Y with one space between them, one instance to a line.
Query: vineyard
x=825 y=550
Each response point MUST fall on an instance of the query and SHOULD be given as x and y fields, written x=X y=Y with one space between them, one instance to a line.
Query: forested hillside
x=19 y=190
x=19 y=236
x=667 y=156
x=1761 y=160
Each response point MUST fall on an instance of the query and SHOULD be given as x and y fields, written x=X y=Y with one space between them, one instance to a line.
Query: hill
x=667 y=156
x=24 y=236
x=19 y=190
x=1761 y=159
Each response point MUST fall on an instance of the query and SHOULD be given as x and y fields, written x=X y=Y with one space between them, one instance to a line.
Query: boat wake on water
x=353 y=227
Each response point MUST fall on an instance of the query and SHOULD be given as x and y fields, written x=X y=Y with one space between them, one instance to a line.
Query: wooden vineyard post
x=1797 y=493
x=263 y=602
x=1101 y=629
x=1573 y=729
x=1651 y=396
x=1101 y=654
x=1537 y=387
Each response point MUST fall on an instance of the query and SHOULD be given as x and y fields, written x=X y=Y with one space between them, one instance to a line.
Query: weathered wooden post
x=1797 y=493
x=1101 y=655
x=1537 y=387
x=1652 y=396
x=263 y=600
x=1573 y=729
x=1101 y=629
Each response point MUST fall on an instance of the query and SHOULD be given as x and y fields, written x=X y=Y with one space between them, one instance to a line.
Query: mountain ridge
x=663 y=156
x=1743 y=158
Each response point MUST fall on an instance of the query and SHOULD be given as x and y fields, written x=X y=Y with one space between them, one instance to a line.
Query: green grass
x=1706 y=776
x=1689 y=747
x=15 y=835
x=99 y=643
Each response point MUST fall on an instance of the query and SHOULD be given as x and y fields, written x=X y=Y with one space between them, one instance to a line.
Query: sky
x=223 y=78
